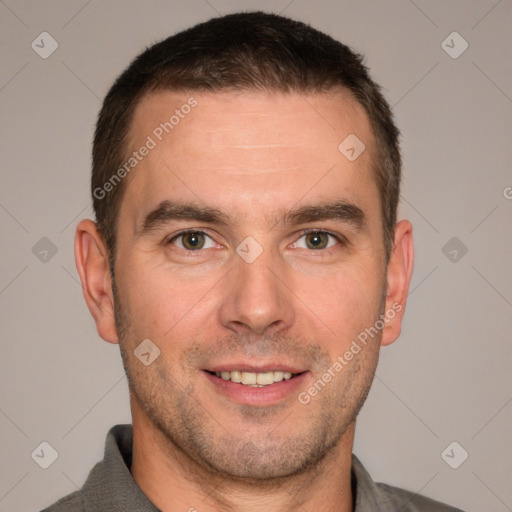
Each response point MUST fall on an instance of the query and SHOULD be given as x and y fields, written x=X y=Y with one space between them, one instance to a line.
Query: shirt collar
x=368 y=496
x=110 y=485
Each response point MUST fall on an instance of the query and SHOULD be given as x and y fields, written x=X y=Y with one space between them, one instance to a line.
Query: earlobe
x=399 y=275
x=91 y=257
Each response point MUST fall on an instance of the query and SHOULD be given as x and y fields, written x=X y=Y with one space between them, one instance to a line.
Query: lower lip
x=262 y=396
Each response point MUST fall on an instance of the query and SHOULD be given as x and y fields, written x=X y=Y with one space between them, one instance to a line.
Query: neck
x=173 y=481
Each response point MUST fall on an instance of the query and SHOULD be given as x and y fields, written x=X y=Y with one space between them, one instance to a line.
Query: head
x=235 y=232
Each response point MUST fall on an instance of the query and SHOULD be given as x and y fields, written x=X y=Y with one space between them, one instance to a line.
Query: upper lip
x=256 y=368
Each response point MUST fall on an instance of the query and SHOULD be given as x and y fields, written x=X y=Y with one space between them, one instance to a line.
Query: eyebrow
x=168 y=211
x=339 y=210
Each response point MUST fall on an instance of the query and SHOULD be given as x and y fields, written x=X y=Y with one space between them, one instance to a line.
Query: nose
x=257 y=299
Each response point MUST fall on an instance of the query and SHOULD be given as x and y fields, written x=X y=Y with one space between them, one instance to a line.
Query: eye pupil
x=317 y=240
x=193 y=240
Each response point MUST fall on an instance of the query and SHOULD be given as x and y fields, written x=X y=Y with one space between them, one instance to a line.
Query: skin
x=253 y=156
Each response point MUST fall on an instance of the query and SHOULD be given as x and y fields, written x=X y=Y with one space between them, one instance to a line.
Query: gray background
x=447 y=379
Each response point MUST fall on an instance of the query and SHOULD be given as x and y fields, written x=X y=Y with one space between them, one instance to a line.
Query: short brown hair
x=243 y=51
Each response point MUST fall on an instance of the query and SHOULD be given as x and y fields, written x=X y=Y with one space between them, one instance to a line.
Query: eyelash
x=339 y=238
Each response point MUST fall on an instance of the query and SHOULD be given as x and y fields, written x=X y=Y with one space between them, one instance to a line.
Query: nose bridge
x=257 y=300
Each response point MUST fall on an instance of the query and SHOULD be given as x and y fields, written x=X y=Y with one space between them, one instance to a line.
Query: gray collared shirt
x=111 y=488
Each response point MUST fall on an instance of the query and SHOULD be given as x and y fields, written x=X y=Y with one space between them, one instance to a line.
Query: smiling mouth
x=255 y=380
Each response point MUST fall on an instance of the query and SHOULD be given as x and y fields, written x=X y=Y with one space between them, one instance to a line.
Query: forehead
x=249 y=119
x=254 y=147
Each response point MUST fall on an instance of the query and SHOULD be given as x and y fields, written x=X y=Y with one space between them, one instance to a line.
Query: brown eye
x=317 y=240
x=193 y=241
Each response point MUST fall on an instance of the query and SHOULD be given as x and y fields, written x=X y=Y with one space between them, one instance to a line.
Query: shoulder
x=71 y=503
x=371 y=495
x=407 y=501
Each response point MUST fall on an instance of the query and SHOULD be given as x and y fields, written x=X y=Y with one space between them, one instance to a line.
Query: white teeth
x=248 y=378
x=278 y=376
x=265 y=378
x=236 y=376
x=255 y=379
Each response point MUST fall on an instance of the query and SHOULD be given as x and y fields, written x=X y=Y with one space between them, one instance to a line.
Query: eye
x=316 y=240
x=193 y=241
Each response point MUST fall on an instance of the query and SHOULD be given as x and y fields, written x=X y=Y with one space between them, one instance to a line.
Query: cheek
x=347 y=301
x=162 y=304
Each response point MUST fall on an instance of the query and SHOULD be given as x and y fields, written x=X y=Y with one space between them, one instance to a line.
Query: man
x=247 y=259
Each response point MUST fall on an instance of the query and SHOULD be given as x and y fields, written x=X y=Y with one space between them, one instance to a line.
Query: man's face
x=247 y=242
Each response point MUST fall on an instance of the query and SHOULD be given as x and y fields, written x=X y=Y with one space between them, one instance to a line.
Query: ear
x=401 y=262
x=91 y=257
